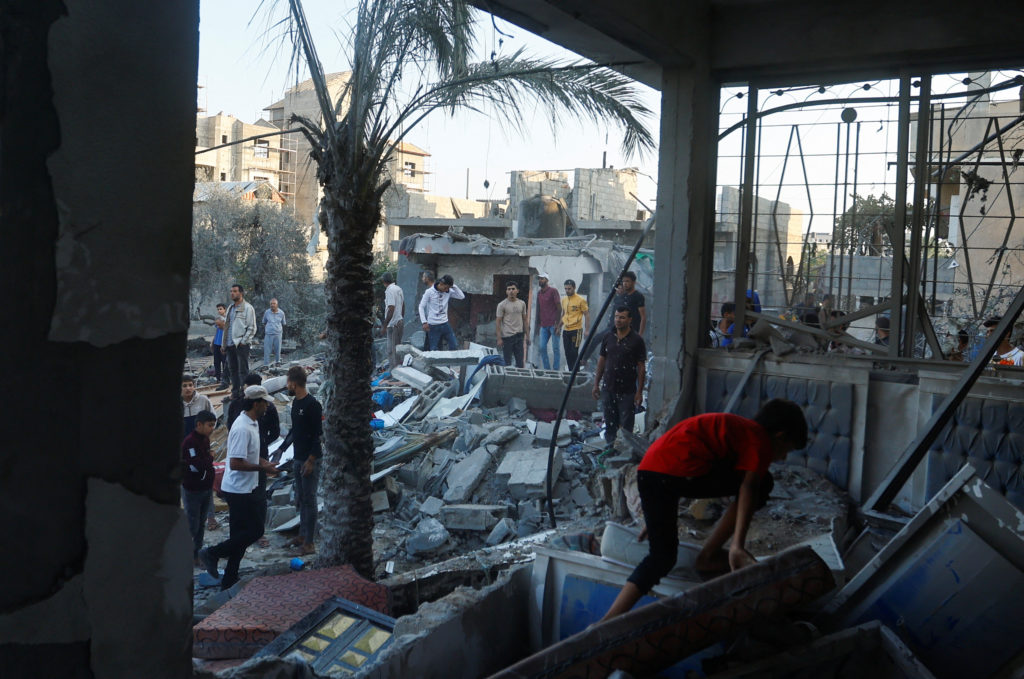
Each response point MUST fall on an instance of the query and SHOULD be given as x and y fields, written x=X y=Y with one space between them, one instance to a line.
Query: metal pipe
x=917 y=215
x=898 y=236
x=746 y=212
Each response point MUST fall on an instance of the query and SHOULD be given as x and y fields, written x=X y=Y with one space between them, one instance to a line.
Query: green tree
x=865 y=226
x=262 y=248
x=408 y=59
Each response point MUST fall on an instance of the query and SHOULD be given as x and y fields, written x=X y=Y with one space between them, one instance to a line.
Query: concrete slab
x=412 y=377
x=545 y=430
x=470 y=356
x=503 y=530
x=466 y=475
x=472 y=517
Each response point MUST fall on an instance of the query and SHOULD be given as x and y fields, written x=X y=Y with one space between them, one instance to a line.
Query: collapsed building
x=928 y=450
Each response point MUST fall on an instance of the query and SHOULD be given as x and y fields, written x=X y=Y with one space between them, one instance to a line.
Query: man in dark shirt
x=307 y=426
x=197 y=477
x=628 y=296
x=622 y=364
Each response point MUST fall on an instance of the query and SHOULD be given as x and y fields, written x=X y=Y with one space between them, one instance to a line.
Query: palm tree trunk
x=347 y=523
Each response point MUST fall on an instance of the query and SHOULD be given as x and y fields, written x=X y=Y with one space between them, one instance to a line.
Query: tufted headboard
x=988 y=433
x=829 y=408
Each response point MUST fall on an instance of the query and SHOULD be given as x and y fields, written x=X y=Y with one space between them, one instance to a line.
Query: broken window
x=261 y=148
x=409 y=169
x=337 y=639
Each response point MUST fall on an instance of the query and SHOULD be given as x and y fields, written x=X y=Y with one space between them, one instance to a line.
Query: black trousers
x=248 y=513
x=619 y=412
x=512 y=349
x=571 y=346
x=659 y=498
x=218 y=363
x=238 y=367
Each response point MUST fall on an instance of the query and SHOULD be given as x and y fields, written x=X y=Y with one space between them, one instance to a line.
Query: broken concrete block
x=545 y=430
x=501 y=435
x=472 y=517
x=469 y=437
x=502 y=531
x=428 y=536
x=429 y=397
x=393 y=488
x=432 y=506
x=277 y=516
x=412 y=377
x=529 y=519
x=516 y=406
x=380 y=501
x=539 y=388
x=527 y=471
x=465 y=475
x=281 y=497
x=581 y=497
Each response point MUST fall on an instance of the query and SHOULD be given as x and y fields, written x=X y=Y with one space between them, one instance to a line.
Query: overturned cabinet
x=950 y=584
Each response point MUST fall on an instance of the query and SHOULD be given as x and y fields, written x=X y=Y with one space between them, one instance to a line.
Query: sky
x=244 y=66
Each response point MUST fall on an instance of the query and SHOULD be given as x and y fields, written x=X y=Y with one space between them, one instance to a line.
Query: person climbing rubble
x=307 y=427
x=709 y=455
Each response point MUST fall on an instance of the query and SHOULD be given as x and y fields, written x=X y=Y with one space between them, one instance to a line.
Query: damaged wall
x=95 y=246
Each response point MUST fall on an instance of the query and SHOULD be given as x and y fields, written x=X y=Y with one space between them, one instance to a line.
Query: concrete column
x=684 y=235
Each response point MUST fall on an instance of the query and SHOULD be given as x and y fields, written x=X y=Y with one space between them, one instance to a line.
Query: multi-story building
x=254 y=161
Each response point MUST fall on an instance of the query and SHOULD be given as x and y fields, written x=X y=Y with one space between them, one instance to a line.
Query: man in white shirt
x=434 y=312
x=1006 y=353
x=394 y=312
x=240 y=488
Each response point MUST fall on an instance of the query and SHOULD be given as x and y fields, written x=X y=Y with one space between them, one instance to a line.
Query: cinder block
x=432 y=506
x=539 y=388
x=472 y=517
x=527 y=472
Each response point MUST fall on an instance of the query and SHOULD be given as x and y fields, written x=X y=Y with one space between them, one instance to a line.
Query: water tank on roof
x=542 y=217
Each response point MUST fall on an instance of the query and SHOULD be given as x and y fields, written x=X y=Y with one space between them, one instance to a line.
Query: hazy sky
x=244 y=66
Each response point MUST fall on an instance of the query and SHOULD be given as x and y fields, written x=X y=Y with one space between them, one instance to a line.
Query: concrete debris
x=380 y=501
x=281 y=497
x=503 y=530
x=516 y=406
x=280 y=515
x=428 y=536
x=501 y=435
x=432 y=506
x=527 y=472
x=472 y=517
x=412 y=377
x=464 y=476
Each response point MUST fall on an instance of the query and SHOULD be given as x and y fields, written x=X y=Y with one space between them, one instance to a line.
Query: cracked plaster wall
x=96 y=133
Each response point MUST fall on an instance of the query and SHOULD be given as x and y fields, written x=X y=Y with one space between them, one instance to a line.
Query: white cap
x=255 y=392
x=541 y=274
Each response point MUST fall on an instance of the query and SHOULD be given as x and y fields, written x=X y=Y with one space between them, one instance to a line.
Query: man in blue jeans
x=434 y=312
x=549 y=310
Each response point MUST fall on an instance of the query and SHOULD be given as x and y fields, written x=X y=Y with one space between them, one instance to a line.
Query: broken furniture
x=950 y=583
x=654 y=637
x=339 y=637
x=268 y=606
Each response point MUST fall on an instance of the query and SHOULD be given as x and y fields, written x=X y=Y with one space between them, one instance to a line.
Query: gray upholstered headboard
x=828 y=406
x=988 y=433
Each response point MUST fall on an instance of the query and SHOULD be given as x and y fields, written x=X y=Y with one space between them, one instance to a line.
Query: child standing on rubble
x=197 y=477
x=710 y=455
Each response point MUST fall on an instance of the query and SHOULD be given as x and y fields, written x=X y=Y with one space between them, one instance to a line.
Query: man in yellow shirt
x=574 y=323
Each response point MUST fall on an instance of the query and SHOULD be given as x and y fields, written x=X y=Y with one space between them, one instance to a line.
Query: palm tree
x=409 y=58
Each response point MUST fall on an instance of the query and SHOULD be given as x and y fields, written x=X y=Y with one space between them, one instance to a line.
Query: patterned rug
x=270 y=605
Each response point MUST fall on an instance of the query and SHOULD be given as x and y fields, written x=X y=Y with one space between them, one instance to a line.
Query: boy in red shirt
x=710 y=455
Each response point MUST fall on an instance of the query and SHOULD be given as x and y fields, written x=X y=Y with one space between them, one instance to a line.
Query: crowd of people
x=253 y=425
